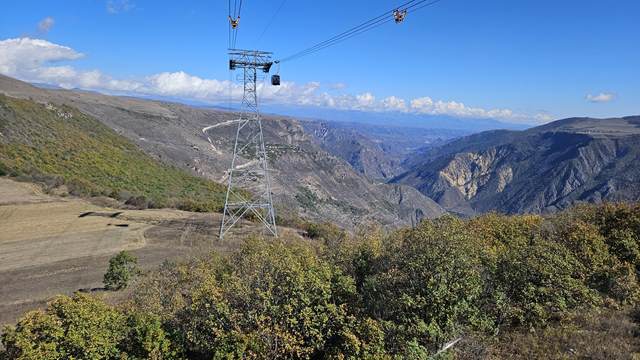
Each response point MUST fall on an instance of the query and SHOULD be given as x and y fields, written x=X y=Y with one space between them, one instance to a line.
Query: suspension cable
x=345 y=33
x=413 y=5
x=272 y=19
x=234 y=16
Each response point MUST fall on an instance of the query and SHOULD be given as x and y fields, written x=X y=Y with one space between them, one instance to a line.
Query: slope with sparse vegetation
x=59 y=145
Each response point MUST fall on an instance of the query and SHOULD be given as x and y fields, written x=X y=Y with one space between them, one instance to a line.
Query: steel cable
x=359 y=29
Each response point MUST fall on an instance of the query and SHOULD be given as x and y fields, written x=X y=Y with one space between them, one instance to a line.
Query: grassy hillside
x=60 y=144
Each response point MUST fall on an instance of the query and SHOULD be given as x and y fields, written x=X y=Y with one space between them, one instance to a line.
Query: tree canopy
x=375 y=295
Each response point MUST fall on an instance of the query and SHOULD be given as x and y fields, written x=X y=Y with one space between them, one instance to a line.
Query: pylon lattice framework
x=249 y=186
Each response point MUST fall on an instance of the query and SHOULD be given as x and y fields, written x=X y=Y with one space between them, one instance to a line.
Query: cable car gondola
x=399 y=15
x=234 y=23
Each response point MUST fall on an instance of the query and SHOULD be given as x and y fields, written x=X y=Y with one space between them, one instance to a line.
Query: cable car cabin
x=234 y=23
x=399 y=15
x=275 y=80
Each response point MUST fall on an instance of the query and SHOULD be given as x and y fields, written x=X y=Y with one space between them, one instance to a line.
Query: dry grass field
x=53 y=245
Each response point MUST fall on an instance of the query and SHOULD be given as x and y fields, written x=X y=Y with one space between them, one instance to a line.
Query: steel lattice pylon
x=249 y=186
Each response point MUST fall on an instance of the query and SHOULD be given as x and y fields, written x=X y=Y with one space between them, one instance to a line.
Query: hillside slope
x=539 y=170
x=63 y=145
x=366 y=156
x=307 y=180
x=376 y=151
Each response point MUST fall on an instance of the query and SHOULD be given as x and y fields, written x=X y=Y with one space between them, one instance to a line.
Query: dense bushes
x=83 y=327
x=374 y=295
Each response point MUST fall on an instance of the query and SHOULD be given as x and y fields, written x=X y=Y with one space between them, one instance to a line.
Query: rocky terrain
x=539 y=170
x=307 y=180
x=375 y=151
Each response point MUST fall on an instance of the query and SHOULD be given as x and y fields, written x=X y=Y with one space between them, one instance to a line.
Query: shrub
x=620 y=282
x=122 y=267
x=426 y=285
x=538 y=281
x=146 y=338
x=324 y=231
x=81 y=327
x=4 y=171
x=620 y=225
x=85 y=327
x=279 y=302
x=139 y=202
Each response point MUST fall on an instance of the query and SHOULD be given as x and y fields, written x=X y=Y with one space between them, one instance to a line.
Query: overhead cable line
x=238 y=19
x=423 y=6
x=336 y=41
x=234 y=21
x=364 y=27
x=346 y=33
x=413 y=5
x=229 y=17
x=272 y=19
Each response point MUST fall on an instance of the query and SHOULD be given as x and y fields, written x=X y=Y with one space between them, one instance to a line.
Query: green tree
x=81 y=327
x=122 y=268
x=425 y=286
x=539 y=280
x=280 y=301
x=85 y=327
x=146 y=338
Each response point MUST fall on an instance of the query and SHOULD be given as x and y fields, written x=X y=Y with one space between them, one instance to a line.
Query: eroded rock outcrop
x=538 y=170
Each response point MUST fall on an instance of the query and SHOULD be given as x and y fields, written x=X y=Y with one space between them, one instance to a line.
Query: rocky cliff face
x=468 y=172
x=307 y=180
x=376 y=151
x=539 y=170
x=364 y=154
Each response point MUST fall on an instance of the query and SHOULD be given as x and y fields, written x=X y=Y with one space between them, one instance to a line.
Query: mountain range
x=539 y=170
x=376 y=151
x=391 y=174
x=307 y=181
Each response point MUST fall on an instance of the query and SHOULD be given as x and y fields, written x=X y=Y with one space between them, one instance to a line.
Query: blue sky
x=520 y=61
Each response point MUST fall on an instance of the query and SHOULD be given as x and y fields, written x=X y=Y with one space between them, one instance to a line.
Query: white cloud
x=422 y=104
x=426 y=105
x=365 y=101
x=45 y=25
x=185 y=85
x=393 y=103
x=26 y=58
x=119 y=6
x=338 y=86
x=601 y=98
x=36 y=60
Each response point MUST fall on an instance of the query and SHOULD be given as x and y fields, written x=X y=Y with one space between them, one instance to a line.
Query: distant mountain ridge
x=542 y=169
x=398 y=119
